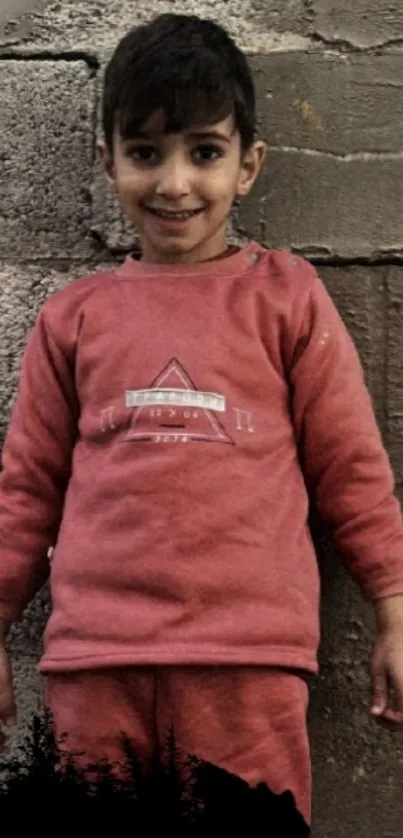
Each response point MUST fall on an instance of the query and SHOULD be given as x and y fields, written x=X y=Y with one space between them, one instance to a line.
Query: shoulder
x=286 y=271
x=291 y=283
x=299 y=297
x=81 y=289
x=61 y=316
x=65 y=304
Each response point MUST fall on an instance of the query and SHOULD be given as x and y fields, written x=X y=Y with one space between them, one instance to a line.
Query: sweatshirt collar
x=237 y=262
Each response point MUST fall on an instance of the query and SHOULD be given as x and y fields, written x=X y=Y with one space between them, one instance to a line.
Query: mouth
x=174 y=215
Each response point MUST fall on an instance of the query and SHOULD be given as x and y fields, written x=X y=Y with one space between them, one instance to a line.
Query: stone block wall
x=330 y=89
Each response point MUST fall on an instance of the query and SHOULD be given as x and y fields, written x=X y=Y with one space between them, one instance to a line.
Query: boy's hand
x=8 y=715
x=387 y=664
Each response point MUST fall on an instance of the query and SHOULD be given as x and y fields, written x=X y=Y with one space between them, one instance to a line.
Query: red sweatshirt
x=170 y=425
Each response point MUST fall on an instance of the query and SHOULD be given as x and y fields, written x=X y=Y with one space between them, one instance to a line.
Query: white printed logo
x=173 y=410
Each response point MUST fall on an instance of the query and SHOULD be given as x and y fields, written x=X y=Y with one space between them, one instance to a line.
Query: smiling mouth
x=174 y=216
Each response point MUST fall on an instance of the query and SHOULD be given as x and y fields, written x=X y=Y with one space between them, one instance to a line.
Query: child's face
x=178 y=189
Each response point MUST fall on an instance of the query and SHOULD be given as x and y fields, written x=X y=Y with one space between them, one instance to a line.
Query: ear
x=251 y=165
x=107 y=163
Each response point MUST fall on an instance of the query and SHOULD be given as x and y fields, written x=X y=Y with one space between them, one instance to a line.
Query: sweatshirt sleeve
x=345 y=463
x=36 y=459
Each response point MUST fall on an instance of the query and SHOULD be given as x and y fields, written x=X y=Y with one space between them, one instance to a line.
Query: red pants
x=249 y=721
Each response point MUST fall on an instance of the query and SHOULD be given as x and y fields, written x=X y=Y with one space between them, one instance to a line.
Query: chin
x=176 y=247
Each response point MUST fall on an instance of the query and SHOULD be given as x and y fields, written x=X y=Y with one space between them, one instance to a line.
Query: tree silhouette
x=179 y=791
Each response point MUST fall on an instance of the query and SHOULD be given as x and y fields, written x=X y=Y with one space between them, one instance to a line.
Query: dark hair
x=186 y=67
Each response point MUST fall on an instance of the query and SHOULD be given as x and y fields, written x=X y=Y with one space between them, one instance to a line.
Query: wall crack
x=7 y=54
x=366 y=156
x=344 y=45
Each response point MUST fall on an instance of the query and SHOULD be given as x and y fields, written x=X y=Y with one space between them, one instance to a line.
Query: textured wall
x=330 y=78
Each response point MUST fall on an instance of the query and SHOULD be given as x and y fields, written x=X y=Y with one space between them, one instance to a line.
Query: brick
x=336 y=103
x=394 y=369
x=97 y=25
x=11 y=12
x=321 y=205
x=46 y=158
x=331 y=182
x=363 y=23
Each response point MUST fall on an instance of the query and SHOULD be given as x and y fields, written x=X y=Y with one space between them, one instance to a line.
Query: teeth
x=181 y=216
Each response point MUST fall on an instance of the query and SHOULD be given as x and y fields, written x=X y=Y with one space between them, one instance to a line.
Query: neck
x=206 y=251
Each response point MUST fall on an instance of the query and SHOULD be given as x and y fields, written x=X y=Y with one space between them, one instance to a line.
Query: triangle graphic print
x=173 y=410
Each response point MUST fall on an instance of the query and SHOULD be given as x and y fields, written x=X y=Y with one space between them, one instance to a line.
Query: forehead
x=155 y=127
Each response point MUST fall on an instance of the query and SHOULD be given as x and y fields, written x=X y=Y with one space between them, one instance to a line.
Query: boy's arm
x=349 y=476
x=36 y=459
x=345 y=464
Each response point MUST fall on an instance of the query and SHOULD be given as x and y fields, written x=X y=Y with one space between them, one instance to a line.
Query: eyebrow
x=194 y=135
x=209 y=135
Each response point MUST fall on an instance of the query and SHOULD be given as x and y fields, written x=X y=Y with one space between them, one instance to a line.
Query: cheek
x=131 y=187
x=223 y=186
x=219 y=194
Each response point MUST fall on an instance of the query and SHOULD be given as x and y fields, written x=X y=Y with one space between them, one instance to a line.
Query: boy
x=173 y=418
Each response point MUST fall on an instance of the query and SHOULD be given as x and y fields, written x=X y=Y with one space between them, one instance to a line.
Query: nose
x=173 y=180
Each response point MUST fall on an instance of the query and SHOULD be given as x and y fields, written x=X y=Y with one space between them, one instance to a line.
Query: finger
x=396 y=679
x=379 y=691
x=8 y=713
x=392 y=715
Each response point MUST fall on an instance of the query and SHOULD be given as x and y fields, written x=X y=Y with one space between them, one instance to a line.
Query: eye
x=143 y=154
x=208 y=153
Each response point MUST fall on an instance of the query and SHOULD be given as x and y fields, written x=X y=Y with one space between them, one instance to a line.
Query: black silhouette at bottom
x=180 y=792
